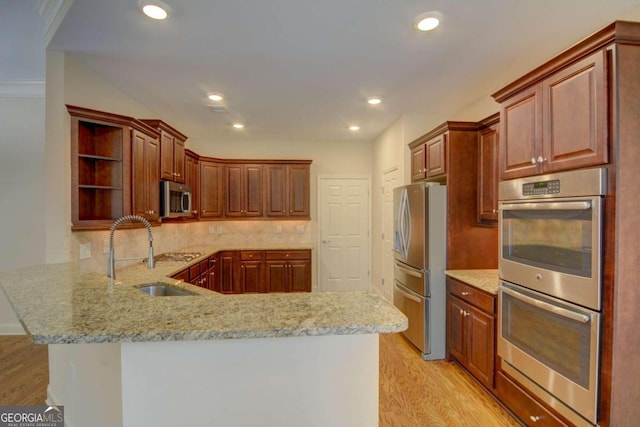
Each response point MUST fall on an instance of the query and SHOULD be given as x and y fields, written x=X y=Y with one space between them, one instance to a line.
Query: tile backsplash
x=176 y=236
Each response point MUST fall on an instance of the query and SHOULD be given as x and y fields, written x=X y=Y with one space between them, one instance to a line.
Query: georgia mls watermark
x=32 y=416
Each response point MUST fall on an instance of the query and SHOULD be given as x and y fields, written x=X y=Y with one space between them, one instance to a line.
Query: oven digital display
x=541 y=188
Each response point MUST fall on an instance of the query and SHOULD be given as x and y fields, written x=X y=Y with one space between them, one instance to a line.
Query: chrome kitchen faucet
x=111 y=268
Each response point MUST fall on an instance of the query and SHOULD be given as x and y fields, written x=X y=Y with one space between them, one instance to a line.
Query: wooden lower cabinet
x=227 y=266
x=251 y=276
x=288 y=271
x=471 y=330
x=527 y=409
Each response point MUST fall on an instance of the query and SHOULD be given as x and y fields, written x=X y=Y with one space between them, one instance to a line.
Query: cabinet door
x=234 y=205
x=227 y=272
x=145 y=192
x=435 y=152
x=213 y=273
x=166 y=159
x=243 y=190
x=455 y=328
x=178 y=160
x=575 y=116
x=488 y=175
x=480 y=341
x=192 y=179
x=276 y=276
x=252 y=190
x=418 y=171
x=276 y=190
x=251 y=277
x=298 y=191
x=299 y=276
x=210 y=189
x=521 y=134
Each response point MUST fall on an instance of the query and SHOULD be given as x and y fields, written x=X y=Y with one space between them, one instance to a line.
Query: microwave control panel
x=541 y=188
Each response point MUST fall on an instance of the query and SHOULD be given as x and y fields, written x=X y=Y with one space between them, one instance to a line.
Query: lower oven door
x=416 y=308
x=554 y=345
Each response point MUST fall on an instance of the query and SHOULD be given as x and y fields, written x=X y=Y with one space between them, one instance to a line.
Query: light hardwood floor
x=413 y=393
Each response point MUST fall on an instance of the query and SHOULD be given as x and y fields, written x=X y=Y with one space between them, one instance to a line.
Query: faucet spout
x=111 y=268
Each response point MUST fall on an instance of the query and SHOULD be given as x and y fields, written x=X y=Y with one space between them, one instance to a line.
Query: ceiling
x=303 y=69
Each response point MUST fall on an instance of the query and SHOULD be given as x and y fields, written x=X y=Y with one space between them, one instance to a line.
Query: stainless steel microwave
x=175 y=199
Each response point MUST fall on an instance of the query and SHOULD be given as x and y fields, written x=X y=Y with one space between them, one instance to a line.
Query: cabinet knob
x=533 y=161
x=495 y=211
x=535 y=418
x=461 y=312
x=541 y=159
x=465 y=293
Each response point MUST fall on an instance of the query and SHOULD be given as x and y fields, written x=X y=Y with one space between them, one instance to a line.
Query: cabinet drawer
x=251 y=255
x=302 y=254
x=472 y=295
x=524 y=406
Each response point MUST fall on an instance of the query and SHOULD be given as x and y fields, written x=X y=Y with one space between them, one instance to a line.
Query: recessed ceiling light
x=154 y=9
x=354 y=128
x=216 y=97
x=374 y=100
x=428 y=21
x=238 y=125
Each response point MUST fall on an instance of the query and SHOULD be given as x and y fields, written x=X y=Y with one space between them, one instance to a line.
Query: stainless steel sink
x=164 y=290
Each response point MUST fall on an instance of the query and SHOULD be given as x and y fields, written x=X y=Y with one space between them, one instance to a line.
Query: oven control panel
x=541 y=188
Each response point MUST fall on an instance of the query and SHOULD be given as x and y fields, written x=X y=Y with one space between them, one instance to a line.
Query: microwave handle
x=583 y=318
x=554 y=206
x=188 y=200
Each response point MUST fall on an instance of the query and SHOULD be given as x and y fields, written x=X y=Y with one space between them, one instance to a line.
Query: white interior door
x=390 y=179
x=343 y=214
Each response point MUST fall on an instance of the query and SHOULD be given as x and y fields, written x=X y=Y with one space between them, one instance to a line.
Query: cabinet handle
x=535 y=418
x=541 y=159
x=465 y=293
x=495 y=211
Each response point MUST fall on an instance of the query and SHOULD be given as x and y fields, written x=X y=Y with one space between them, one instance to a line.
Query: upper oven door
x=553 y=246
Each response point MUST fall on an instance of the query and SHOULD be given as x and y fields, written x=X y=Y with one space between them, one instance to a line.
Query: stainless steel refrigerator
x=420 y=247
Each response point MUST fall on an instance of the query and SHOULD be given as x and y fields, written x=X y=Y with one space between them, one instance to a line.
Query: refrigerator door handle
x=409 y=272
x=407 y=295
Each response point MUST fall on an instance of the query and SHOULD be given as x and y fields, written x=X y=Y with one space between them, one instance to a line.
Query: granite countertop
x=64 y=303
x=486 y=280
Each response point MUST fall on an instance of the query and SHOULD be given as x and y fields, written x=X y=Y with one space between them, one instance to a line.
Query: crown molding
x=52 y=13
x=22 y=89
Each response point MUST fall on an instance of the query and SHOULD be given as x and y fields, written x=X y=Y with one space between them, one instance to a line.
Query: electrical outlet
x=300 y=229
x=278 y=229
x=212 y=230
x=105 y=246
x=85 y=250
x=219 y=229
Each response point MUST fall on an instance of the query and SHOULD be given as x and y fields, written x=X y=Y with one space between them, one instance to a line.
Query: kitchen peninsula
x=118 y=356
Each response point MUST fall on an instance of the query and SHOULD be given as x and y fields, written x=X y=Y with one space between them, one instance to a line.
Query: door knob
x=326 y=241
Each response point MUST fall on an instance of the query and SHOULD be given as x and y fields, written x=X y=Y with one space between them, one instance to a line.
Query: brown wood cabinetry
x=144 y=175
x=227 y=266
x=418 y=166
x=288 y=271
x=428 y=157
x=192 y=179
x=287 y=190
x=211 y=195
x=251 y=276
x=243 y=190
x=172 y=151
x=107 y=152
x=471 y=329
x=488 y=173
x=555 y=123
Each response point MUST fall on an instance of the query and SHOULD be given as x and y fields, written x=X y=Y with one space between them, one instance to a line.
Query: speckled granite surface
x=487 y=280
x=62 y=303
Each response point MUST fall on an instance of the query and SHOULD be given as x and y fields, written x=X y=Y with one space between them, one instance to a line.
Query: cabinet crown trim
x=444 y=127
x=623 y=32
x=161 y=125
x=111 y=118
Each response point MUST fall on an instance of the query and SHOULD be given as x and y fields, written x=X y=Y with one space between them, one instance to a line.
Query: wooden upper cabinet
x=192 y=179
x=488 y=173
x=145 y=155
x=556 y=123
x=211 y=193
x=243 y=190
x=287 y=190
x=435 y=150
x=172 y=151
x=418 y=166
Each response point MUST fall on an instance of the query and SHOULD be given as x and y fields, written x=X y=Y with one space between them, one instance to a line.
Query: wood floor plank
x=24 y=371
x=415 y=393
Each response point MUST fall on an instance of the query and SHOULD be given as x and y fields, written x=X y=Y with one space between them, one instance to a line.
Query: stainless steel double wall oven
x=550 y=268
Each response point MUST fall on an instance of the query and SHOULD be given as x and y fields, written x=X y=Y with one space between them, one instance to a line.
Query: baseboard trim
x=11 y=329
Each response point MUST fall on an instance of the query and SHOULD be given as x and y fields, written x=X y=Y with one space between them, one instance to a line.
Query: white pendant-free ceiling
x=306 y=68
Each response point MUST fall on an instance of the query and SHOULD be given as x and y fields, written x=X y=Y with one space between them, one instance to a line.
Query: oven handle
x=556 y=206
x=583 y=318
